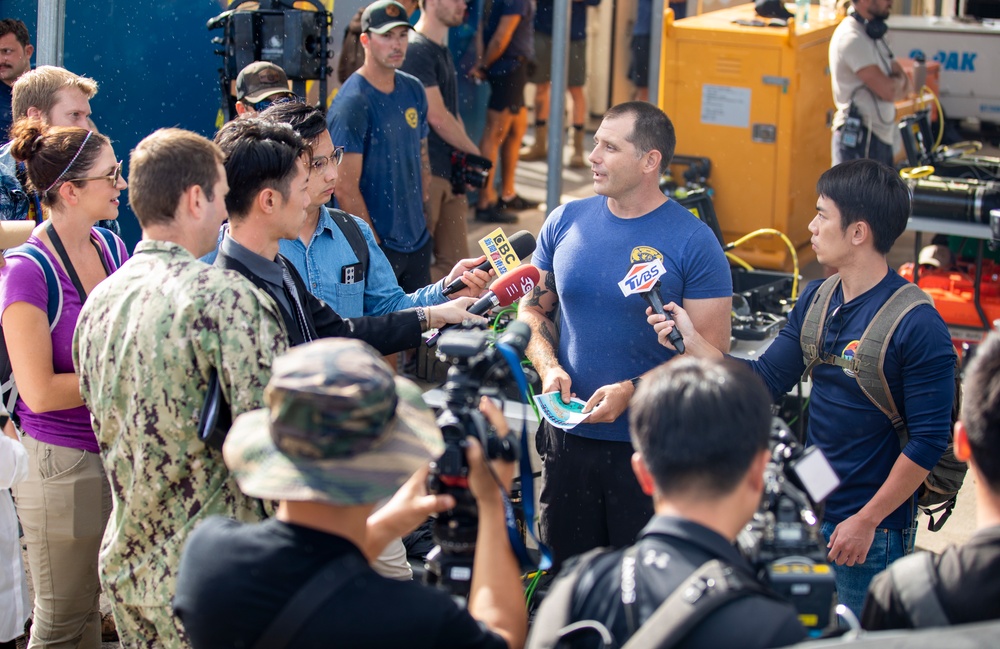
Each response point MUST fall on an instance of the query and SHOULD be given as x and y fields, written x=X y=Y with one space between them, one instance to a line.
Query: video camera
x=783 y=540
x=478 y=368
x=468 y=169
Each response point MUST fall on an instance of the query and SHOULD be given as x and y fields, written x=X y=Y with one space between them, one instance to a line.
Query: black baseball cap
x=380 y=17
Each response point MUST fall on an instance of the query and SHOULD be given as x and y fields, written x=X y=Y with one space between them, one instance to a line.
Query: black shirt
x=388 y=333
x=669 y=550
x=432 y=64
x=235 y=578
x=967 y=585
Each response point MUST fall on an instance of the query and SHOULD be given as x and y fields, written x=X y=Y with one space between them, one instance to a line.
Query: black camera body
x=477 y=369
x=783 y=541
x=468 y=169
x=852 y=133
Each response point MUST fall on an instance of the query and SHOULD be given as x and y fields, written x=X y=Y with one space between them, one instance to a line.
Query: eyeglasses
x=274 y=100
x=113 y=178
x=319 y=163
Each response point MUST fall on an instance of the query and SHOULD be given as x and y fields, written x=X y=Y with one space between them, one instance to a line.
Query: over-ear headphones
x=875 y=28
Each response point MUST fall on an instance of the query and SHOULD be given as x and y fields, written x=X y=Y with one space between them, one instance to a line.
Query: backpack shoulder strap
x=549 y=629
x=810 y=337
x=913 y=580
x=870 y=355
x=711 y=586
x=55 y=294
x=111 y=244
x=352 y=232
x=319 y=589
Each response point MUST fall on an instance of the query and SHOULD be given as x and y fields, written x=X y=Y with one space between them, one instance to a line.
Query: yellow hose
x=739 y=262
x=791 y=247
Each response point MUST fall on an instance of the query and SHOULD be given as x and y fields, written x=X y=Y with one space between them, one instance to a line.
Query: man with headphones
x=866 y=81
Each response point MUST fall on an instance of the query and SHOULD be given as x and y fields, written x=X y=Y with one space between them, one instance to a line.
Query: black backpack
x=939 y=492
x=712 y=585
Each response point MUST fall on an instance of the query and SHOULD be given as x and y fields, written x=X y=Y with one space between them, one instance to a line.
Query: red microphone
x=505 y=291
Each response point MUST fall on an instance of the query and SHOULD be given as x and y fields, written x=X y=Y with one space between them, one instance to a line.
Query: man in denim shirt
x=328 y=262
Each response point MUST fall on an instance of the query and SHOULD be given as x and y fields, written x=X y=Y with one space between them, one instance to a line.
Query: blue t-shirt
x=577 y=17
x=603 y=335
x=321 y=264
x=522 y=43
x=386 y=129
x=856 y=437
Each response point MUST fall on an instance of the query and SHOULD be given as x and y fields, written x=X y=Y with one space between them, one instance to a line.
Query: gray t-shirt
x=432 y=64
x=851 y=49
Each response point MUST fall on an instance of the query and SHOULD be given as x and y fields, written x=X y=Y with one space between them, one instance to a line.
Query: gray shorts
x=543 y=61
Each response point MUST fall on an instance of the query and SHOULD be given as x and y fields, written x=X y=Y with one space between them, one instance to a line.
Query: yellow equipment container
x=757 y=101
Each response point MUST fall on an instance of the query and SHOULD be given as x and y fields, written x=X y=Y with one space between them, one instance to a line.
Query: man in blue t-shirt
x=868 y=520
x=380 y=117
x=601 y=345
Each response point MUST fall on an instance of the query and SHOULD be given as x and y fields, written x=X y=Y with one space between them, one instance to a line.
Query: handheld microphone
x=644 y=279
x=504 y=292
x=523 y=243
x=655 y=300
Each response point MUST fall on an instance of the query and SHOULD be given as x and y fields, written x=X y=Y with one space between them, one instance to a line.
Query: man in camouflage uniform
x=147 y=341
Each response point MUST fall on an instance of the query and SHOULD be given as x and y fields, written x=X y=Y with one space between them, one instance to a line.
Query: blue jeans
x=887 y=546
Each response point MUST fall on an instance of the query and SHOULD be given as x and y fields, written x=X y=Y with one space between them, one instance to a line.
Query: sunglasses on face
x=319 y=163
x=113 y=178
x=273 y=100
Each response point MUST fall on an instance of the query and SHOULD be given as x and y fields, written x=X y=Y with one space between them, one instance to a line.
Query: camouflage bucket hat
x=339 y=428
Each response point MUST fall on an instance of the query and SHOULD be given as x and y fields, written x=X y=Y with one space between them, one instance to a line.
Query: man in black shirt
x=962 y=584
x=428 y=59
x=700 y=429
x=268 y=169
x=341 y=433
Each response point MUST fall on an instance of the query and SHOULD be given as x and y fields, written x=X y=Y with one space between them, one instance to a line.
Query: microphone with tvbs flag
x=644 y=279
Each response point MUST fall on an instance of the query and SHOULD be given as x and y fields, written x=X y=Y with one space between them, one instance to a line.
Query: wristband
x=422 y=318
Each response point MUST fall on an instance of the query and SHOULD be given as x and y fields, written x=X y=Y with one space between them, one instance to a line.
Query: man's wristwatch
x=421 y=318
x=635 y=382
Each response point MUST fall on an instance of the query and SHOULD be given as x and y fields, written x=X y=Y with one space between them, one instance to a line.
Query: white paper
x=559 y=414
x=725 y=105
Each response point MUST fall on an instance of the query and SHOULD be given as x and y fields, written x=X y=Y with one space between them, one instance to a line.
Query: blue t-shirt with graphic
x=856 y=437
x=386 y=129
x=603 y=335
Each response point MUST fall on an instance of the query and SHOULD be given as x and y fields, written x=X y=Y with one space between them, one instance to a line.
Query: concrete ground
x=531 y=183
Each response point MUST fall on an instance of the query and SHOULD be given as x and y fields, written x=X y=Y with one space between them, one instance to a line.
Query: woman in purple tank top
x=65 y=502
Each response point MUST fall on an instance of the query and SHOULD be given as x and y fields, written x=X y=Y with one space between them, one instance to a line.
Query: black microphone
x=504 y=292
x=654 y=299
x=522 y=242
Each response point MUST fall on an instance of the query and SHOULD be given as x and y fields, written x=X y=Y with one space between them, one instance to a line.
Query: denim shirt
x=328 y=251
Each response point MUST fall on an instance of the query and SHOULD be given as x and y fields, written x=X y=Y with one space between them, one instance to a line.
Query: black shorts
x=638 y=72
x=508 y=89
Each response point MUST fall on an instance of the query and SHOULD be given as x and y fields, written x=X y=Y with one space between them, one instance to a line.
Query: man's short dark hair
x=981 y=409
x=307 y=120
x=869 y=191
x=17 y=28
x=652 y=129
x=699 y=425
x=163 y=166
x=259 y=155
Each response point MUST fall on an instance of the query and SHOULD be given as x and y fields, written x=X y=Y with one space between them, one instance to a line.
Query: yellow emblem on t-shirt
x=411 y=117
x=645 y=253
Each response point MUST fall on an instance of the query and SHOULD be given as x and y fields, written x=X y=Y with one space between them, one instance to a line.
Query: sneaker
x=517 y=204
x=493 y=214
